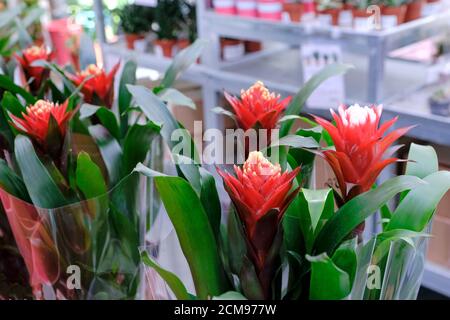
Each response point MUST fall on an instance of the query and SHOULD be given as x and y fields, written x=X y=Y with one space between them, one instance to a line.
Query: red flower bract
x=99 y=88
x=257 y=106
x=261 y=194
x=361 y=147
x=38 y=74
x=36 y=120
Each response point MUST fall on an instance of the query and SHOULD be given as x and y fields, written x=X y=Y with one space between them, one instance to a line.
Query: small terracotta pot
x=183 y=44
x=252 y=46
x=166 y=46
x=295 y=10
x=399 y=12
x=334 y=13
x=131 y=38
x=414 y=10
x=360 y=13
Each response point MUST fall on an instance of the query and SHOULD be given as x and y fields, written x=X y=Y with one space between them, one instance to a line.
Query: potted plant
x=135 y=22
x=414 y=10
x=169 y=19
x=331 y=9
x=359 y=10
x=277 y=225
x=393 y=9
x=294 y=8
x=439 y=102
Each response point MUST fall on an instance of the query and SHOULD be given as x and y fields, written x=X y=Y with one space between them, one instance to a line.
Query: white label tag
x=362 y=24
x=345 y=18
x=325 y=19
x=431 y=8
x=233 y=52
x=388 y=21
x=314 y=57
x=146 y=3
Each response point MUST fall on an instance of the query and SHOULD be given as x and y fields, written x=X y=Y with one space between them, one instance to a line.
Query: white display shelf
x=437 y=278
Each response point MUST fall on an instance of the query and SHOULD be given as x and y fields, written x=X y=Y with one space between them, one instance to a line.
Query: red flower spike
x=261 y=195
x=361 y=147
x=36 y=120
x=99 y=88
x=38 y=74
x=257 y=106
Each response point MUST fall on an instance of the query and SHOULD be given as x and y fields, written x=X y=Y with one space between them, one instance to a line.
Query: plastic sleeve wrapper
x=401 y=266
x=86 y=250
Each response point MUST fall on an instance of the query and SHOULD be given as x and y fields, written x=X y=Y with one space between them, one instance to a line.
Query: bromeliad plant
x=282 y=240
x=72 y=201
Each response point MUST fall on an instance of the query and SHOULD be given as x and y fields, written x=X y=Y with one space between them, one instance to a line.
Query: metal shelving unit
x=376 y=78
x=374 y=69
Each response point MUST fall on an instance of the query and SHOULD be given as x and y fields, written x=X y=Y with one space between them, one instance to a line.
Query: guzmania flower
x=35 y=75
x=257 y=107
x=44 y=122
x=362 y=147
x=261 y=193
x=98 y=87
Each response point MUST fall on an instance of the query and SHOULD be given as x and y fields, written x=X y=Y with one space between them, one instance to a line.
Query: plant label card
x=325 y=19
x=314 y=57
x=388 y=21
x=233 y=52
x=146 y=3
x=363 y=24
x=345 y=18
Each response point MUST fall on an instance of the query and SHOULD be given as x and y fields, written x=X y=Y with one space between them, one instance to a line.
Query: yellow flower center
x=41 y=107
x=256 y=164
x=259 y=89
x=91 y=70
x=34 y=51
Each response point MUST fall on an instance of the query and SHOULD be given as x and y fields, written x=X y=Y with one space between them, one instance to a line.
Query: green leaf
x=210 y=201
x=128 y=78
x=8 y=85
x=42 y=189
x=156 y=111
x=236 y=245
x=297 y=103
x=110 y=150
x=106 y=117
x=320 y=205
x=12 y=104
x=137 y=144
x=89 y=177
x=194 y=232
x=69 y=86
x=422 y=161
x=316 y=205
x=176 y=98
x=345 y=257
x=12 y=183
x=182 y=61
x=230 y=295
x=220 y=110
x=418 y=206
x=297 y=117
x=328 y=281
x=296 y=141
x=354 y=212
x=171 y=279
